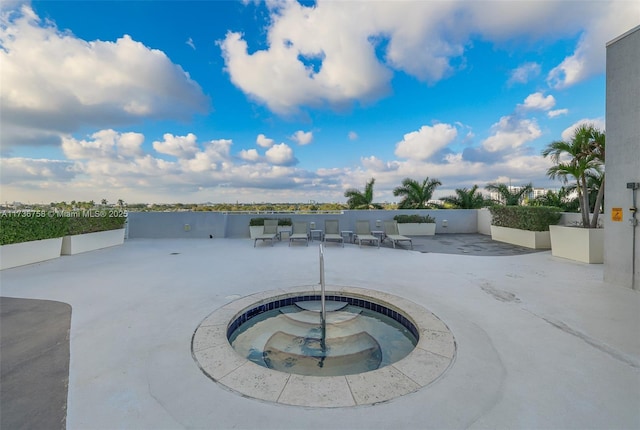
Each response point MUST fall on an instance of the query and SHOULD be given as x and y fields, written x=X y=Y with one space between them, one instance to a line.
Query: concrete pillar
x=622 y=160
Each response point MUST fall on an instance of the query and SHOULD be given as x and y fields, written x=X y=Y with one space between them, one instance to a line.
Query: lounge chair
x=391 y=232
x=300 y=232
x=270 y=231
x=332 y=231
x=363 y=233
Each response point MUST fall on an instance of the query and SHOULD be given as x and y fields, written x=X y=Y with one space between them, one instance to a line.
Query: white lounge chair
x=332 y=231
x=363 y=233
x=300 y=232
x=270 y=231
x=391 y=232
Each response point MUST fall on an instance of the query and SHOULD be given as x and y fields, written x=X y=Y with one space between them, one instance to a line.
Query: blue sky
x=221 y=101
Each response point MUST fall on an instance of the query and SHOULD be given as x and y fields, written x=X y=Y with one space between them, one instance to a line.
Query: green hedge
x=416 y=219
x=17 y=227
x=532 y=218
x=260 y=221
x=111 y=220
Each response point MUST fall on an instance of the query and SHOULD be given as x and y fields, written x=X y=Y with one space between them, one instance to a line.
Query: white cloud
x=375 y=164
x=557 y=112
x=281 y=155
x=105 y=144
x=422 y=144
x=249 y=155
x=35 y=171
x=279 y=78
x=568 y=132
x=537 y=101
x=53 y=82
x=219 y=149
x=264 y=141
x=308 y=63
x=511 y=133
x=178 y=146
x=524 y=73
x=302 y=137
x=603 y=21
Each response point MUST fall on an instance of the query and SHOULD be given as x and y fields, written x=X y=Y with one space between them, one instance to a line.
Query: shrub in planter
x=532 y=218
x=93 y=230
x=27 y=226
x=416 y=225
x=30 y=237
x=414 y=219
x=253 y=222
x=256 y=224
x=83 y=224
x=526 y=226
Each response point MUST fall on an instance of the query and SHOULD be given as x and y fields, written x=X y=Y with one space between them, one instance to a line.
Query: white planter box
x=578 y=244
x=255 y=230
x=417 y=229
x=91 y=241
x=19 y=254
x=526 y=238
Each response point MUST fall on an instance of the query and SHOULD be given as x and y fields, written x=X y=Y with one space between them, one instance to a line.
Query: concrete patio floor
x=541 y=342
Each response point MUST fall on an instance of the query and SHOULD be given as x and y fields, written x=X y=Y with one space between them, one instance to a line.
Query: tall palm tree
x=362 y=200
x=508 y=195
x=581 y=156
x=467 y=199
x=415 y=194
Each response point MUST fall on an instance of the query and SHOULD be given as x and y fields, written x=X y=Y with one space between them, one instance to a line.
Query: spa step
x=316 y=305
x=355 y=353
x=313 y=318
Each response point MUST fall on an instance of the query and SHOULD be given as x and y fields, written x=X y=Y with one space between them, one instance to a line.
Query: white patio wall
x=235 y=225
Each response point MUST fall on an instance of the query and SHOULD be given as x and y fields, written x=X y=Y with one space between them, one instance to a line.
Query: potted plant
x=256 y=226
x=94 y=229
x=416 y=225
x=29 y=237
x=285 y=225
x=581 y=158
x=526 y=226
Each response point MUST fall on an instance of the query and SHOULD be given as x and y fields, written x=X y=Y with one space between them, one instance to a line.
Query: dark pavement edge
x=34 y=363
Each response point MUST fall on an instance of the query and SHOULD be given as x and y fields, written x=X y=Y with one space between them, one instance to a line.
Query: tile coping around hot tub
x=432 y=356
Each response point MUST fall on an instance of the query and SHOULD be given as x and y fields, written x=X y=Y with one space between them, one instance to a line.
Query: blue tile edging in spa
x=246 y=316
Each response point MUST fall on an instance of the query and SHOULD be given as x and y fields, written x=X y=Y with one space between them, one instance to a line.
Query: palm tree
x=362 y=200
x=416 y=194
x=559 y=199
x=584 y=154
x=509 y=195
x=594 y=186
x=467 y=199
